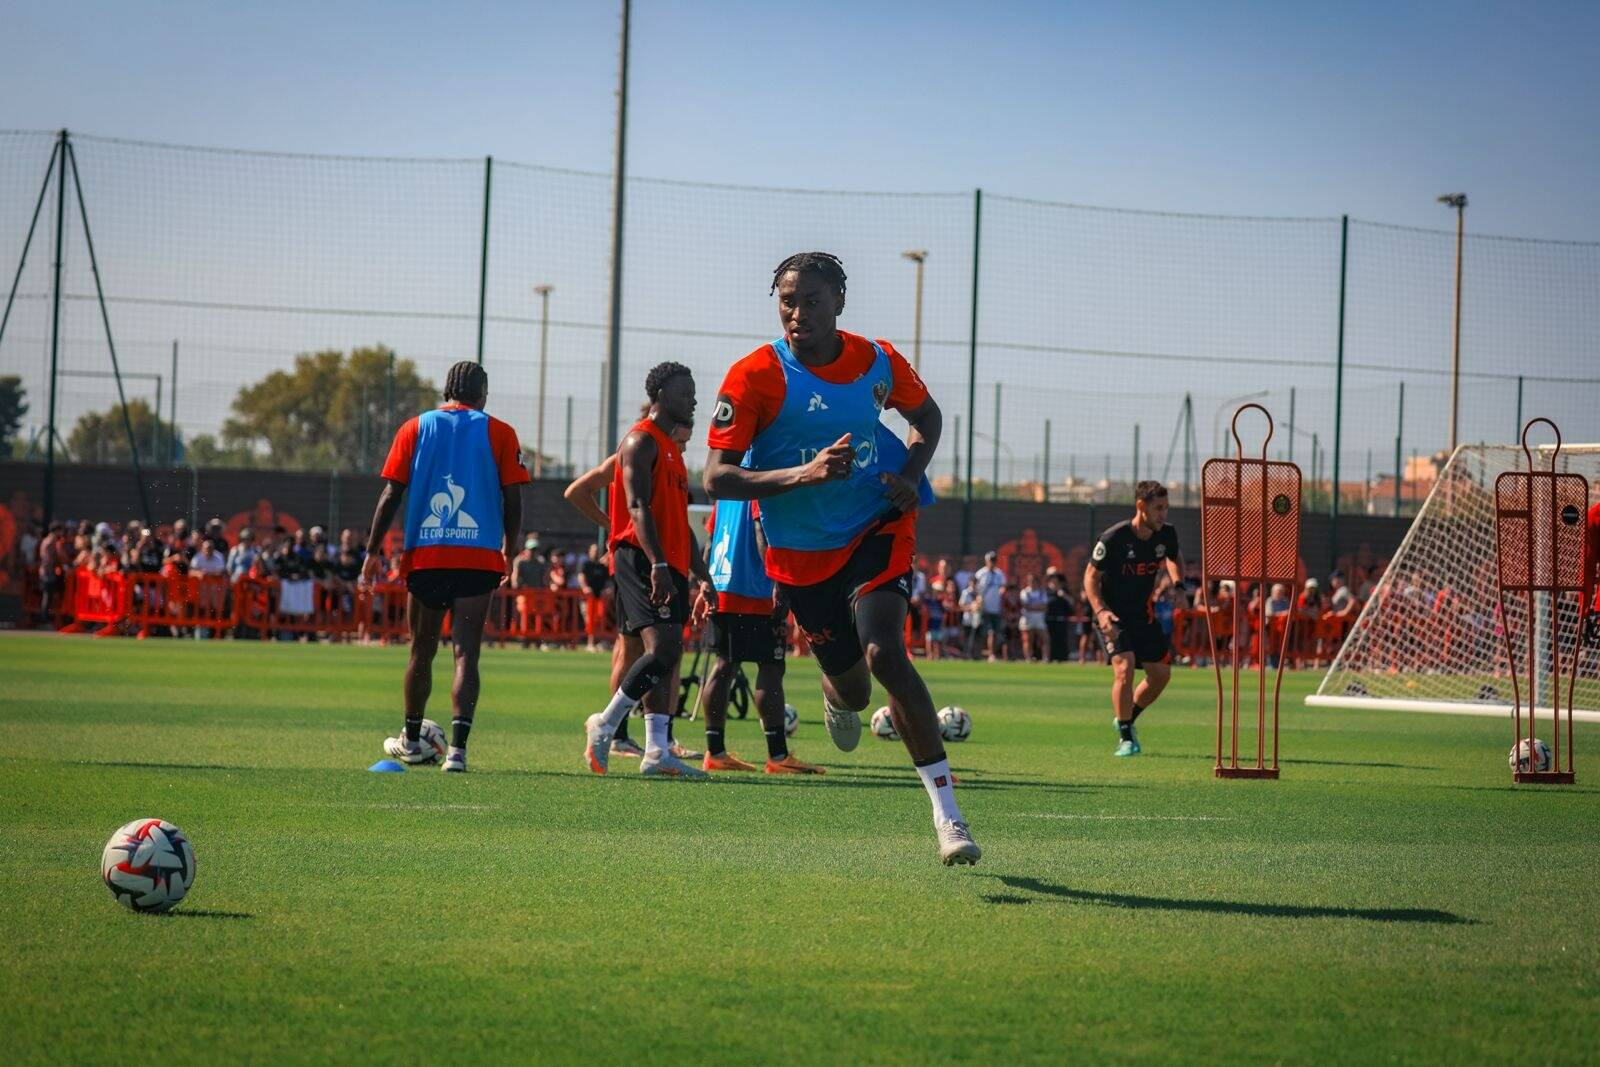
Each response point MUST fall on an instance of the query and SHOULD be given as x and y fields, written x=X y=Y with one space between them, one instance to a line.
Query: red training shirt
x=754 y=389
x=669 y=502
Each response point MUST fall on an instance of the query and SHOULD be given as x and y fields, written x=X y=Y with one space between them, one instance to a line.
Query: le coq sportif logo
x=445 y=512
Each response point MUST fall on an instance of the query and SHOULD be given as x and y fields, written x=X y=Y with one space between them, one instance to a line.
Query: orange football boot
x=726 y=762
x=791 y=764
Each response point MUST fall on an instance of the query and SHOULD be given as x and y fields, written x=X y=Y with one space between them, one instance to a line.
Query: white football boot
x=843 y=726
x=956 y=845
x=666 y=765
x=413 y=753
x=455 y=762
x=597 y=742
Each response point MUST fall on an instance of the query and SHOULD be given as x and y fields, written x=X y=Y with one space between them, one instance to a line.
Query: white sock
x=936 y=780
x=655 y=734
x=617 y=710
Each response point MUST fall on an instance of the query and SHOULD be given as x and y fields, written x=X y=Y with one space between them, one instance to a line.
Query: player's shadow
x=1046 y=891
x=1312 y=762
x=1512 y=787
x=841 y=778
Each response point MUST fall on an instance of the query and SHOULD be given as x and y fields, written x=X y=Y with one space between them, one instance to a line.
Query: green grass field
x=1392 y=898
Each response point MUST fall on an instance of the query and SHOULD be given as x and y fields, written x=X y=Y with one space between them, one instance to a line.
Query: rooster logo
x=445 y=508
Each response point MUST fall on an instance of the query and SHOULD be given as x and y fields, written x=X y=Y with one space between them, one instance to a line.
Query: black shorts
x=742 y=637
x=633 y=593
x=1140 y=635
x=826 y=610
x=439 y=587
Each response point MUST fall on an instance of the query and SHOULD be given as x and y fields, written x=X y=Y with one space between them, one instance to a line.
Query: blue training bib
x=454 y=496
x=736 y=563
x=815 y=414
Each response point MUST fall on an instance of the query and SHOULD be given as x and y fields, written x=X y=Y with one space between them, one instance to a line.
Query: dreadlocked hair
x=467 y=381
x=825 y=264
x=660 y=375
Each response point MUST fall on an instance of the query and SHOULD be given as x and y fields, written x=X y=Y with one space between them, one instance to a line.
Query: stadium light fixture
x=917 y=256
x=1457 y=201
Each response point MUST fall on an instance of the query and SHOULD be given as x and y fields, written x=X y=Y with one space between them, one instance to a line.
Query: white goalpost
x=1431 y=637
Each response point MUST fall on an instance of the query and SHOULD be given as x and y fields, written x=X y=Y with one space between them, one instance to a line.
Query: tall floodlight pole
x=619 y=182
x=917 y=256
x=544 y=355
x=1459 y=202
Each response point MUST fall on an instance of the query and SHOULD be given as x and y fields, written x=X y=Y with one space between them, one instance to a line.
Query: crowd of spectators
x=980 y=612
x=967 y=609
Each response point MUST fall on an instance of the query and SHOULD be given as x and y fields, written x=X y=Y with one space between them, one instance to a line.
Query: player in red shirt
x=839 y=515
x=453 y=560
x=652 y=555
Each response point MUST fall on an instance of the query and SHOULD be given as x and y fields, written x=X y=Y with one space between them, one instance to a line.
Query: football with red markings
x=148 y=865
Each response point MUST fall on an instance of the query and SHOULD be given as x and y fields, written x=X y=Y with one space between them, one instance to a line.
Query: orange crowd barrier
x=95 y=598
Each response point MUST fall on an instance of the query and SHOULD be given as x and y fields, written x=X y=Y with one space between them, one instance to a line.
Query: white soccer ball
x=791 y=719
x=1518 y=757
x=148 y=865
x=883 y=725
x=955 y=724
x=433 y=739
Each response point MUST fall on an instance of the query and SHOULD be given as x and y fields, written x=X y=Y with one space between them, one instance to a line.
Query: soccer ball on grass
x=148 y=865
x=1518 y=757
x=433 y=739
x=791 y=719
x=883 y=726
x=955 y=724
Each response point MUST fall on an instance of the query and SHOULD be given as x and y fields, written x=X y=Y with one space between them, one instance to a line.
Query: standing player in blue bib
x=839 y=508
x=463 y=520
x=746 y=626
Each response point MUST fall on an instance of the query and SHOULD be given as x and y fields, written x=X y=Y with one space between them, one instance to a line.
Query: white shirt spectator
x=208 y=561
x=991 y=584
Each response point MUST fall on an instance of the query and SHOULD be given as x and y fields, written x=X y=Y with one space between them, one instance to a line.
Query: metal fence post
x=1338 y=397
x=55 y=332
x=972 y=369
x=1399 y=432
x=1045 y=481
x=483 y=252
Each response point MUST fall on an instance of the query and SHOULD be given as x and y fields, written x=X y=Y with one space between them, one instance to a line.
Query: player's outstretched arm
x=725 y=479
x=584 y=492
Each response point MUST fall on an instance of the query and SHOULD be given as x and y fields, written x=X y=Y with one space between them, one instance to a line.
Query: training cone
x=387 y=766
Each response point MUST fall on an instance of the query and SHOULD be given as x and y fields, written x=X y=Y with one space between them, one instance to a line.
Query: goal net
x=1432 y=637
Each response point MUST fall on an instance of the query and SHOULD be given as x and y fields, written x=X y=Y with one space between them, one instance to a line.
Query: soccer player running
x=748 y=625
x=462 y=524
x=652 y=554
x=1120 y=584
x=839 y=508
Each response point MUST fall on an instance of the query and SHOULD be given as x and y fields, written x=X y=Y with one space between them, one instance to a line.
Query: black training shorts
x=633 y=593
x=440 y=587
x=1140 y=635
x=826 y=610
x=743 y=637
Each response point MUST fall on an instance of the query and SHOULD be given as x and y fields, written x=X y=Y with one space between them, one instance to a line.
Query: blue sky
x=1237 y=109
x=1370 y=109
